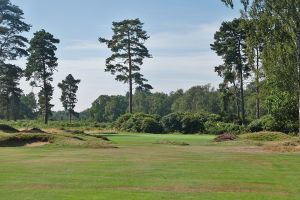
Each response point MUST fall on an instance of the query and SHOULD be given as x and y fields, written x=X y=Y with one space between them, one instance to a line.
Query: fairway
x=149 y=167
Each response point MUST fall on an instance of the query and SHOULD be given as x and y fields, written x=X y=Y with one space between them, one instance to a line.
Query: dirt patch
x=8 y=129
x=225 y=137
x=37 y=144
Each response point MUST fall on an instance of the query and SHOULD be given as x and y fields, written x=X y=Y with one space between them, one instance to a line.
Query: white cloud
x=198 y=37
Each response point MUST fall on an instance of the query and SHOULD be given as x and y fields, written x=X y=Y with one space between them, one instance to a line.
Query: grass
x=144 y=168
x=266 y=136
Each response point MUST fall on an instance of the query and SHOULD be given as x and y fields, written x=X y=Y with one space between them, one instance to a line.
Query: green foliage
x=151 y=125
x=218 y=128
x=10 y=92
x=69 y=88
x=28 y=108
x=230 y=44
x=41 y=65
x=269 y=123
x=198 y=99
x=12 y=43
x=187 y=122
x=108 y=108
x=139 y=122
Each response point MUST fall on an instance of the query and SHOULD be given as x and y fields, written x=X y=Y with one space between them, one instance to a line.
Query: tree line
x=263 y=45
x=260 y=69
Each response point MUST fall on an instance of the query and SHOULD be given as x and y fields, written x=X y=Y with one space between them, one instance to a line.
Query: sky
x=180 y=31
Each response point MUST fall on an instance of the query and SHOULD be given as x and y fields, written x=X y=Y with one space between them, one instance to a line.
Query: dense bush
x=187 y=122
x=139 y=122
x=268 y=123
x=151 y=125
x=218 y=128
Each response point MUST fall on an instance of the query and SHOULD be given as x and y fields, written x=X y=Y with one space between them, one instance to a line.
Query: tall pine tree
x=128 y=53
x=41 y=65
x=230 y=43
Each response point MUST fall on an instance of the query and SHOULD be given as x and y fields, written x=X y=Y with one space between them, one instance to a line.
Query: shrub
x=218 y=128
x=192 y=124
x=268 y=123
x=172 y=122
x=184 y=122
x=139 y=122
x=150 y=125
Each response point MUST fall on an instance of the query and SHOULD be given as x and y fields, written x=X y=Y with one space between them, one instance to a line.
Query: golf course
x=144 y=166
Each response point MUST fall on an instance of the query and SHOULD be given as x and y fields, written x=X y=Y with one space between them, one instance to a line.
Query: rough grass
x=15 y=140
x=266 y=136
x=7 y=129
x=55 y=138
x=170 y=142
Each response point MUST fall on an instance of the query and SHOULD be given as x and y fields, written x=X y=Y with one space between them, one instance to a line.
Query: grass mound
x=7 y=129
x=33 y=130
x=225 y=137
x=18 y=140
x=266 y=136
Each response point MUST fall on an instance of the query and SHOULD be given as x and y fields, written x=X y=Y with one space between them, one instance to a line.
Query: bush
x=139 y=122
x=218 y=128
x=192 y=124
x=268 y=123
x=184 y=122
x=150 y=125
x=172 y=122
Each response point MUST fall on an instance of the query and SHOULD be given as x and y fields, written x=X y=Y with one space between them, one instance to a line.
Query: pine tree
x=69 y=88
x=12 y=44
x=128 y=53
x=230 y=43
x=10 y=92
x=41 y=65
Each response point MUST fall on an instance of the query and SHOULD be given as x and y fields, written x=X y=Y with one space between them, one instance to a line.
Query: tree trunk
x=7 y=109
x=242 y=97
x=130 y=74
x=257 y=85
x=240 y=70
x=237 y=100
x=298 y=65
x=70 y=116
x=46 y=114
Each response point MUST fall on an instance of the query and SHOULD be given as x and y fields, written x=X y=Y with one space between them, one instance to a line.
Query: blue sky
x=180 y=31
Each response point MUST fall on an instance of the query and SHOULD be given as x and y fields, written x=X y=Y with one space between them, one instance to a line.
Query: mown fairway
x=149 y=167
